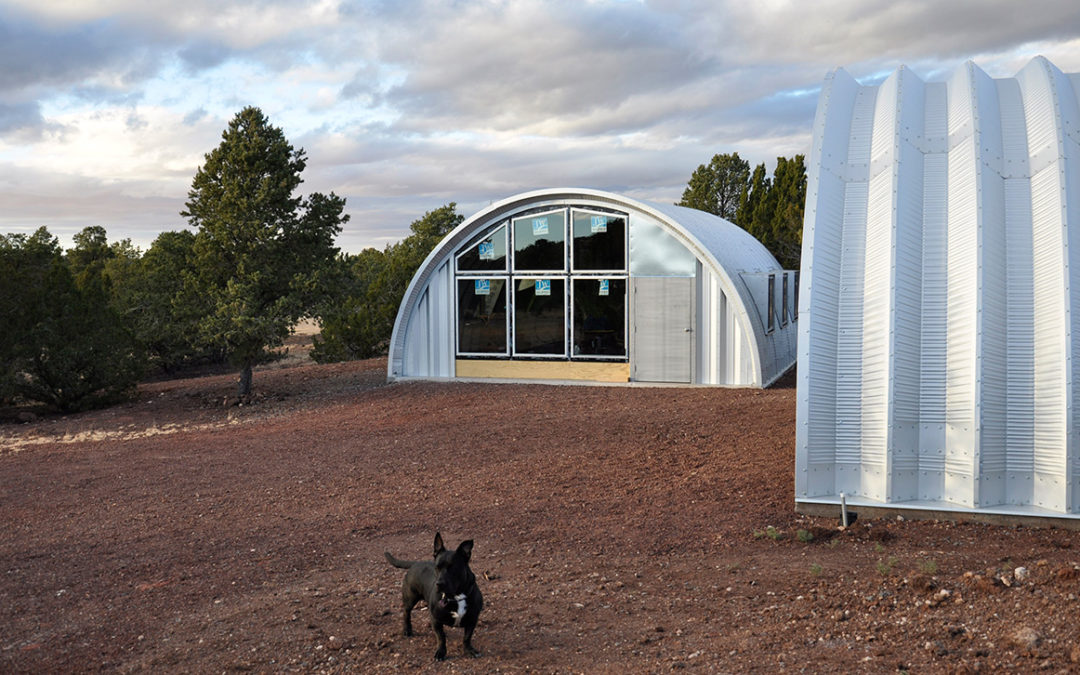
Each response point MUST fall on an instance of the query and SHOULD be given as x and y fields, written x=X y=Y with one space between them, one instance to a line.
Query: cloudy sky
x=107 y=107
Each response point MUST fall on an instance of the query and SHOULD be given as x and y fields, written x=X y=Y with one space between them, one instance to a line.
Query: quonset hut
x=576 y=284
x=938 y=365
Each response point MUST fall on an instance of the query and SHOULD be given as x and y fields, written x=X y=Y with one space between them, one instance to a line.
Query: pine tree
x=257 y=244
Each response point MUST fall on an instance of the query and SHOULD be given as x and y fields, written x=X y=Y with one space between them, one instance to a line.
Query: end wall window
x=796 y=295
x=540 y=242
x=772 y=304
x=482 y=316
x=784 y=311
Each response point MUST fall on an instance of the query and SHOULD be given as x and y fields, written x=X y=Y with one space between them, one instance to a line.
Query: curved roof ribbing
x=728 y=250
x=938 y=363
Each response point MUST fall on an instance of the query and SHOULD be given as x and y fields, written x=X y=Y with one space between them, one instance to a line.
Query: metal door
x=663 y=328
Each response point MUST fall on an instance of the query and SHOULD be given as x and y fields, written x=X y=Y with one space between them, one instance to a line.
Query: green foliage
x=258 y=248
x=816 y=569
x=769 y=208
x=359 y=321
x=63 y=343
x=928 y=567
x=715 y=187
x=805 y=536
x=885 y=567
x=163 y=314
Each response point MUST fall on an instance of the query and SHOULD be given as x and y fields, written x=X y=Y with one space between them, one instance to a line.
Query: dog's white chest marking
x=460 y=613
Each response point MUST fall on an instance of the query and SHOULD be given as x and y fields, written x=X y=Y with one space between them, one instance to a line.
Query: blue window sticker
x=543 y=287
x=598 y=224
x=482 y=287
x=487 y=250
x=604 y=287
x=540 y=227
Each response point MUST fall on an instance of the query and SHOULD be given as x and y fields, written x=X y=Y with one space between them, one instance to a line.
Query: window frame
x=626 y=242
x=514 y=353
x=512 y=249
x=457 y=316
x=475 y=241
x=625 y=323
x=510 y=274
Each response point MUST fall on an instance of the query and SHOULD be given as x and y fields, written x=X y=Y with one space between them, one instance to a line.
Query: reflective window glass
x=599 y=241
x=486 y=253
x=482 y=316
x=599 y=317
x=540 y=316
x=539 y=242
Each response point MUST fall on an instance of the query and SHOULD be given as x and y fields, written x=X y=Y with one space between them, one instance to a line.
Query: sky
x=108 y=107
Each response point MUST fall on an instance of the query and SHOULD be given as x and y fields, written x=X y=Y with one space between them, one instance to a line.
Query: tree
x=257 y=246
x=715 y=187
x=358 y=324
x=771 y=209
x=789 y=186
x=149 y=293
x=63 y=345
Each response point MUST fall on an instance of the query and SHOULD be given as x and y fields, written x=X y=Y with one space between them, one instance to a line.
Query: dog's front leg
x=467 y=642
x=440 y=653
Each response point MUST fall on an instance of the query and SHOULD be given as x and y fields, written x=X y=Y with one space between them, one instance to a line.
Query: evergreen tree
x=63 y=345
x=258 y=246
x=716 y=187
x=359 y=323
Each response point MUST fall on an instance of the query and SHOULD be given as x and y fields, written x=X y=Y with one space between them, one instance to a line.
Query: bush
x=63 y=346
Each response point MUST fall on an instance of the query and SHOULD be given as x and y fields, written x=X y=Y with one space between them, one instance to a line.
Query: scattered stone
x=1021 y=574
x=1025 y=637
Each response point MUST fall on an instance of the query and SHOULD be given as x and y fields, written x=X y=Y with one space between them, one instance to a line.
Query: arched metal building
x=577 y=284
x=938 y=364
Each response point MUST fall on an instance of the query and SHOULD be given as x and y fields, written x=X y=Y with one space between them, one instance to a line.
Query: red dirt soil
x=617 y=529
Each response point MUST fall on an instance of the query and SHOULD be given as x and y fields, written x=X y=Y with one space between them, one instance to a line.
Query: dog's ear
x=465 y=549
x=439 y=546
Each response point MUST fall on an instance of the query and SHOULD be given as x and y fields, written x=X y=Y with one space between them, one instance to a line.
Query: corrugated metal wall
x=936 y=349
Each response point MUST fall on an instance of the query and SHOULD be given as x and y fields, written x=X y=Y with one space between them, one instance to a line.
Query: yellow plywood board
x=589 y=371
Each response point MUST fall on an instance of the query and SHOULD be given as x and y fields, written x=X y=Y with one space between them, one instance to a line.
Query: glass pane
x=599 y=241
x=486 y=253
x=538 y=242
x=540 y=316
x=482 y=316
x=599 y=317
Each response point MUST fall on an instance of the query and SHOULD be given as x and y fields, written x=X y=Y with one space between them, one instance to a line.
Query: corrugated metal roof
x=937 y=353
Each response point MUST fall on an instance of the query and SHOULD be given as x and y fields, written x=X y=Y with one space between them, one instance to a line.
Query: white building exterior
x=939 y=316
x=578 y=284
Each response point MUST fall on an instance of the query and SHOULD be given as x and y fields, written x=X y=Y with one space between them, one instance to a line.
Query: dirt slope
x=617 y=530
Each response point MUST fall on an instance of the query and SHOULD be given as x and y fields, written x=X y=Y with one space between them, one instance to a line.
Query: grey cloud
x=21 y=117
x=34 y=56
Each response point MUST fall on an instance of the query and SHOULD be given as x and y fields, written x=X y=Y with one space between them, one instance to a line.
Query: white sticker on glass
x=543 y=287
x=604 y=287
x=482 y=287
x=487 y=250
x=598 y=224
x=540 y=227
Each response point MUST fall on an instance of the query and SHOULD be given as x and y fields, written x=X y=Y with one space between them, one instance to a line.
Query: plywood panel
x=589 y=371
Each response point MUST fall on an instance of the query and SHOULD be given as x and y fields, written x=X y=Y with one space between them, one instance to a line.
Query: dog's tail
x=403 y=564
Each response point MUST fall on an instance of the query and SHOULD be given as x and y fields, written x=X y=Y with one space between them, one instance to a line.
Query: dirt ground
x=617 y=530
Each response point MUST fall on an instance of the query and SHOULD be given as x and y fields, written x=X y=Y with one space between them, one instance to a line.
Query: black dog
x=449 y=588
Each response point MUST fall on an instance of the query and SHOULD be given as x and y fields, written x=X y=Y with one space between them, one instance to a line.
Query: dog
x=449 y=588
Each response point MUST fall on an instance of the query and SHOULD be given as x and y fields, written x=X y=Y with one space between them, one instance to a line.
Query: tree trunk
x=243 y=389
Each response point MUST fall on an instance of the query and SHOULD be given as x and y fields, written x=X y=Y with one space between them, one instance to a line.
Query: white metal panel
x=940 y=260
x=821 y=279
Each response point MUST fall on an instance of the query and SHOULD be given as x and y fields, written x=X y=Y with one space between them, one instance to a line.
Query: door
x=663 y=327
